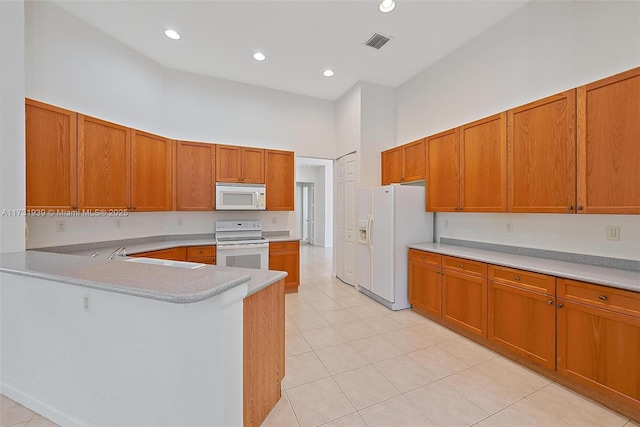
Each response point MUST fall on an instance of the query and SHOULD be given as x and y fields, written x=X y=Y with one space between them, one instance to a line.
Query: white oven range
x=240 y=244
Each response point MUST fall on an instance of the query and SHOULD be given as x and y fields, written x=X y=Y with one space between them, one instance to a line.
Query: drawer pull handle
x=560 y=305
x=550 y=302
x=603 y=297
x=461 y=265
x=517 y=278
x=201 y=251
x=422 y=257
x=569 y=208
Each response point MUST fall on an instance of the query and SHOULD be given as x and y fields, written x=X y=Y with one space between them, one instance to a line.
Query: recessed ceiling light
x=387 y=6
x=259 y=56
x=172 y=34
x=328 y=73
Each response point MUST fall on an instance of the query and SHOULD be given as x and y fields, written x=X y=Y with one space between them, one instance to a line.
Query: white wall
x=125 y=361
x=541 y=49
x=75 y=66
x=347 y=121
x=200 y=108
x=12 y=154
x=378 y=128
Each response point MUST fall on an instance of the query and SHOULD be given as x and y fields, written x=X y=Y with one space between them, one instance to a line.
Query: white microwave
x=240 y=197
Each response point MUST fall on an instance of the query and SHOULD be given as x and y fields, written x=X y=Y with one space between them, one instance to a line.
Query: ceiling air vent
x=377 y=41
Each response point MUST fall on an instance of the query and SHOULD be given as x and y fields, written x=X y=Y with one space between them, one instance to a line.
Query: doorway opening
x=314 y=201
x=304 y=217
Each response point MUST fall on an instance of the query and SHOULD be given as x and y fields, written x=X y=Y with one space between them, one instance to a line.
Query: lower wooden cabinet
x=172 y=254
x=285 y=256
x=598 y=345
x=522 y=314
x=582 y=335
x=202 y=254
x=263 y=347
x=464 y=301
x=425 y=283
x=523 y=322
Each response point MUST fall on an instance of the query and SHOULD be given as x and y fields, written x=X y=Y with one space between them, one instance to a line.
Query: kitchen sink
x=166 y=262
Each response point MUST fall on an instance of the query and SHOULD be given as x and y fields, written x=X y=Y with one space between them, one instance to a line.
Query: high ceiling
x=300 y=38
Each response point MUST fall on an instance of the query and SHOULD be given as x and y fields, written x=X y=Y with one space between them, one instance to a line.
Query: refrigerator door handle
x=369 y=224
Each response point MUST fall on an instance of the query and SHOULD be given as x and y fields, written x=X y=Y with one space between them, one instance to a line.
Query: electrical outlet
x=274 y=220
x=61 y=226
x=446 y=223
x=508 y=227
x=118 y=223
x=86 y=302
x=613 y=232
x=180 y=223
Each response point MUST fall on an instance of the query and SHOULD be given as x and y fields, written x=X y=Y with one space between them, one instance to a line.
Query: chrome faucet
x=118 y=252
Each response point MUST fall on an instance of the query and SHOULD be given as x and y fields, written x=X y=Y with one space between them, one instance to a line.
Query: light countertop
x=622 y=279
x=164 y=283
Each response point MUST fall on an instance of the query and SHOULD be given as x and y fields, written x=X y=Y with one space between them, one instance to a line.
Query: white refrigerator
x=389 y=218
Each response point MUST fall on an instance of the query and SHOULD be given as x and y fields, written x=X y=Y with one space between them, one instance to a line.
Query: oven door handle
x=250 y=246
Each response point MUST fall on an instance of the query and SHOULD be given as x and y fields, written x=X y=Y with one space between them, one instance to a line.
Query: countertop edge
x=159 y=296
x=254 y=289
x=498 y=258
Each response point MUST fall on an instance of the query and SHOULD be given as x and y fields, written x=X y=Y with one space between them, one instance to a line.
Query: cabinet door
x=600 y=349
x=523 y=322
x=151 y=172
x=483 y=165
x=542 y=152
x=51 y=149
x=280 y=180
x=285 y=256
x=414 y=161
x=425 y=288
x=609 y=145
x=464 y=301
x=228 y=163
x=195 y=176
x=104 y=159
x=392 y=165
x=252 y=165
x=443 y=172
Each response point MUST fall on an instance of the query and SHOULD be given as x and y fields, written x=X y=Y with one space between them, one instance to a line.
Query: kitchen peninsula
x=93 y=341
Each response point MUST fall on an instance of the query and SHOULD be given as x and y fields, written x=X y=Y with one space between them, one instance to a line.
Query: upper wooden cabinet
x=51 y=149
x=280 y=180
x=483 y=165
x=195 y=176
x=405 y=163
x=104 y=164
x=542 y=155
x=392 y=165
x=240 y=164
x=443 y=172
x=609 y=145
x=467 y=167
x=151 y=172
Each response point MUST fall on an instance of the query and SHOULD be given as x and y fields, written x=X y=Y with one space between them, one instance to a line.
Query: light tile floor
x=351 y=362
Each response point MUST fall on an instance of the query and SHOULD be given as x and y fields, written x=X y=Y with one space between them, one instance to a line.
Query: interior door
x=351 y=221
x=340 y=218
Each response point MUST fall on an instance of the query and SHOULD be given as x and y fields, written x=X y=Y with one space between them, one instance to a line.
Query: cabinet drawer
x=204 y=260
x=523 y=279
x=618 y=300
x=425 y=257
x=460 y=264
x=201 y=251
x=283 y=246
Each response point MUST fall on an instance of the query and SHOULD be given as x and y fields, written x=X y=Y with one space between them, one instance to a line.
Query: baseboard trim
x=40 y=407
